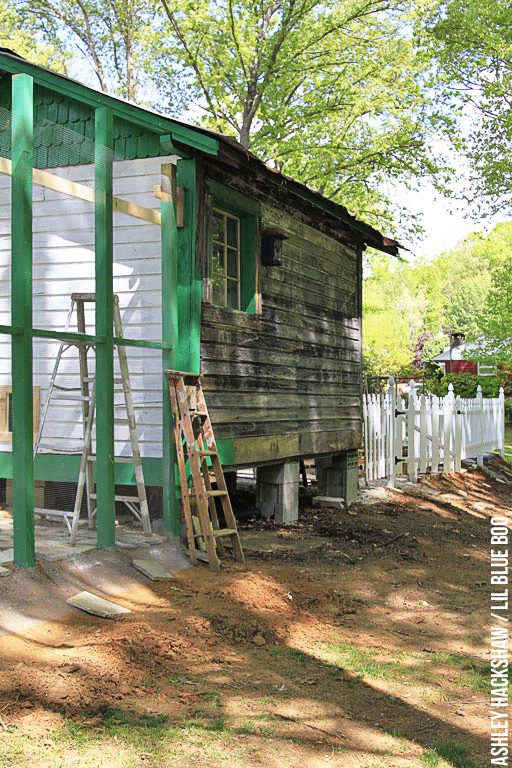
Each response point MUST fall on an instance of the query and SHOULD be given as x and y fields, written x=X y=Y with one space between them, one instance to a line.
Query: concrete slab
x=334 y=502
x=152 y=570
x=86 y=601
x=7 y=555
x=34 y=595
x=59 y=551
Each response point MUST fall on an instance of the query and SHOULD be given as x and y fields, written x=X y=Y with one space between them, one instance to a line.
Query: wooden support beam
x=170 y=336
x=103 y=166
x=179 y=194
x=21 y=317
x=83 y=192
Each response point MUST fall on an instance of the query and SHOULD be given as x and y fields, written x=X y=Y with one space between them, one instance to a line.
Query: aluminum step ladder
x=195 y=442
x=138 y=504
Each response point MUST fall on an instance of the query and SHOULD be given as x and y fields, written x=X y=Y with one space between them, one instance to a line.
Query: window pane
x=232 y=232
x=218 y=289
x=233 y=302
x=217 y=258
x=232 y=263
x=218 y=226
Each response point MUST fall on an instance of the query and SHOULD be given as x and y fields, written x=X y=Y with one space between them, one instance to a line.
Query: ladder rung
x=83 y=297
x=216 y=493
x=53 y=512
x=91 y=380
x=133 y=499
x=117 y=459
x=225 y=532
x=76 y=398
x=207 y=453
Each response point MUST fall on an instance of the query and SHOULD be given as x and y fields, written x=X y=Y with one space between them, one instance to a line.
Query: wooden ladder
x=195 y=442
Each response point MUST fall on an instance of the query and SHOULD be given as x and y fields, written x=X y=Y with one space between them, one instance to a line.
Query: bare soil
x=354 y=640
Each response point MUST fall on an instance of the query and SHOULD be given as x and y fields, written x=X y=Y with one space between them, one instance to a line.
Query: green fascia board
x=138 y=115
x=231 y=200
x=64 y=468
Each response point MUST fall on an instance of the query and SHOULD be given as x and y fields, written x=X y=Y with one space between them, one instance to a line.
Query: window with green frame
x=233 y=249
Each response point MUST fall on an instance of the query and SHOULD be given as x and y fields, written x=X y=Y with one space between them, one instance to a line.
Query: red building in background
x=456 y=358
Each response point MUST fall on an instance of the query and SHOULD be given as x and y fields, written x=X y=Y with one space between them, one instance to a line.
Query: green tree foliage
x=332 y=93
x=471 y=41
x=468 y=289
x=18 y=34
x=119 y=39
x=336 y=94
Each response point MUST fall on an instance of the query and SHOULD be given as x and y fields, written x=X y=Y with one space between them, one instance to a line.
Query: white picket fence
x=424 y=433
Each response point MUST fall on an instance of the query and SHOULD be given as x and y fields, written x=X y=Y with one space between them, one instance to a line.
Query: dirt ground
x=354 y=640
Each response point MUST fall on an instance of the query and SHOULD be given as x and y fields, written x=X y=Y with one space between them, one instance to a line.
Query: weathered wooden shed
x=220 y=264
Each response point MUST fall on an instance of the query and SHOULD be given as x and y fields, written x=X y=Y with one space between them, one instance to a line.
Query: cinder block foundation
x=337 y=476
x=277 y=491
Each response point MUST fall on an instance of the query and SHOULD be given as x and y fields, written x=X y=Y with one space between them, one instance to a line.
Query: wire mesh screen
x=137 y=273
x=144 y=367
x=63 y=226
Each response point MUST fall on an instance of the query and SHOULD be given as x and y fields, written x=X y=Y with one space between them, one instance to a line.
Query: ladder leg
x=197 y=479
x=185 y=498
x=219 y=477
x=82 y=475
x=132 y=425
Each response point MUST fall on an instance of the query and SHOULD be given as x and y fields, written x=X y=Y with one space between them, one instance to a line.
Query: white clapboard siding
x=63 y=258
x=424 y=433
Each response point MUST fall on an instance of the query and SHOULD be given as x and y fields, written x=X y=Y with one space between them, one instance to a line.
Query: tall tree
x=472 y=44
x=117 y=38
x=332 y=92
x=19 y=34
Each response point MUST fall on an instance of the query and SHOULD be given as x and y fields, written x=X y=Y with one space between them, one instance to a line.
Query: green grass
x=454 y=754
x=508 y=443
x=121 y=738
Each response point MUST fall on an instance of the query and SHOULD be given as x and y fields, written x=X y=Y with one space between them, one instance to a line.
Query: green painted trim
x=41 y=333
x=95 y=339
x=105 y=490
x=233 y=201
x=64 y=468
x=141 y=343
x=9 y=330
x=95 y=99
x=190 y=284
x=170 y=333
x=248 y=211
x=227 y=454
x=21 y=314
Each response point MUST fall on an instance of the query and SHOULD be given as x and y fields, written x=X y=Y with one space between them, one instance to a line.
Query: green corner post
x=170 y=338
x=105 y=487
x=21 y=317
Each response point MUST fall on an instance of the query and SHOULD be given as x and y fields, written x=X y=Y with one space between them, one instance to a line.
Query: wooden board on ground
x=152 y=570
x=90 y=603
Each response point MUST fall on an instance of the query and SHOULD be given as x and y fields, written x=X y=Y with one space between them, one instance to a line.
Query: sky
x=443 y=221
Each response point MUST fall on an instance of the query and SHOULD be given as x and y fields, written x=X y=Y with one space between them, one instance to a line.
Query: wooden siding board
x=295 y=367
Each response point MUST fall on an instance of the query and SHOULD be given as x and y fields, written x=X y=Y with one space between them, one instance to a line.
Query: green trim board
x=248 y=212
x=21 y=314
x=170 y=335
x=104 y=304
x=190 y=283
x=95 y=99
x=64 y=468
